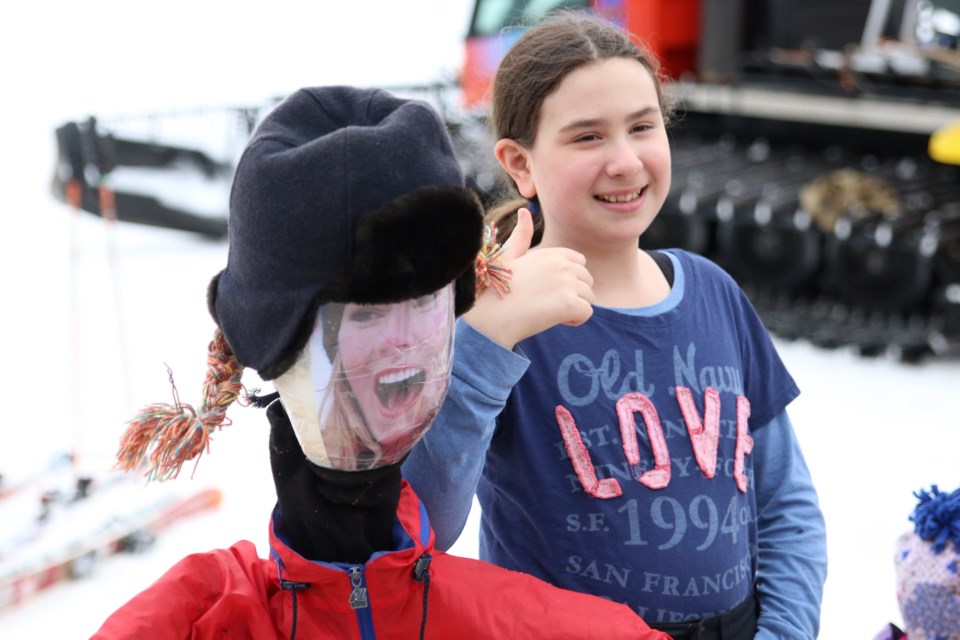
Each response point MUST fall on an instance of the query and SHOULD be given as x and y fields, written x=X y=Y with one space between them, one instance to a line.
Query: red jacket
x=232 y=593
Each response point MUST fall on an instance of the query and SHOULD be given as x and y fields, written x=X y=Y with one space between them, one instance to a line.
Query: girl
x=646 y=455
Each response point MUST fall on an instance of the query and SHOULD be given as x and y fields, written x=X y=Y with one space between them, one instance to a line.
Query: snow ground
x=873 y=430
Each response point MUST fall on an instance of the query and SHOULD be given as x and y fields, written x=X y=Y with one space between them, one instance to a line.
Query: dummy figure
x=353 y=247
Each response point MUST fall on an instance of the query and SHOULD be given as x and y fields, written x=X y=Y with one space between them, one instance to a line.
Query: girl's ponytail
x=503 y=217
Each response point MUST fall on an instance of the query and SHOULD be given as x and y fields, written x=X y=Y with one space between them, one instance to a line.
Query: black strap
x=421 y=573
x=666 y=265
x=739 y=623
x=292 y=587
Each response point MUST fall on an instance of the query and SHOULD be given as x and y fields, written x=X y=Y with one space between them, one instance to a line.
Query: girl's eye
x=640 y=127
x=365 y=314
x=587 y=137
x=427 y=300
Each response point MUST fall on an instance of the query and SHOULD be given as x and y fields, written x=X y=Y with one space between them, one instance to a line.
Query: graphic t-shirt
x=621 y=464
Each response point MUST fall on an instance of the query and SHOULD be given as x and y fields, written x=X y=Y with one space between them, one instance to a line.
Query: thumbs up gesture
x=549 y=286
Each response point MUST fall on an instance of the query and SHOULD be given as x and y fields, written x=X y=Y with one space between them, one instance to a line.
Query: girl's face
x=600 y=163
x=396 y=361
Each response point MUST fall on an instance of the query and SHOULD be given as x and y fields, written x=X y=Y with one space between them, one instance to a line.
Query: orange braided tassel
x=166 y=436
x=489 y=267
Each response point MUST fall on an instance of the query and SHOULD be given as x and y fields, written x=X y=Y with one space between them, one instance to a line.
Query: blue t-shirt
x=621 y=464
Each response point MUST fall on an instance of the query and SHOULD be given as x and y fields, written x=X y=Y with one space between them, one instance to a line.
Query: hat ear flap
x=465 y=292
x=212 y=295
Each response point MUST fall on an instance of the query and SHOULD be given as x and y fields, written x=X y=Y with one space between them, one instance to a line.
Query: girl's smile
x=623 y=202
x=627 y=197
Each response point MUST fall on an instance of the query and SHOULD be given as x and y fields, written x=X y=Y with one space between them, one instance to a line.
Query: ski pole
x=108 y=210
x=74 y=198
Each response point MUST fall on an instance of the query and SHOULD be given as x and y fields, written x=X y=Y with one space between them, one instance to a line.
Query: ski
x=67 y=541
x=23 y=483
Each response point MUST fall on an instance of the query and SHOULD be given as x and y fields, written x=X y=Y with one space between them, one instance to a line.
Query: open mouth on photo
x=398 y=389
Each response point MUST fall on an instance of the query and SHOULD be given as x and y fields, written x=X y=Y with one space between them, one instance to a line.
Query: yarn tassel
x=163 y=436
x=489 y=267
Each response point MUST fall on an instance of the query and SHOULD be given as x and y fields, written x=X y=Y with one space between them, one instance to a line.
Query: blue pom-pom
x=937 y=517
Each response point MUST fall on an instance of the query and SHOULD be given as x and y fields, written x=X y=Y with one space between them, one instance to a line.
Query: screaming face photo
x=370 y=380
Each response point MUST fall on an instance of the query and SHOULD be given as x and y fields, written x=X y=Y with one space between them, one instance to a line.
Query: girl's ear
x=515 y=160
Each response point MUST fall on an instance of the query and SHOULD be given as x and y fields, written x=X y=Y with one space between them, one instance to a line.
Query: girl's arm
x=547 y=287
x=791 y=535
x=445 y=467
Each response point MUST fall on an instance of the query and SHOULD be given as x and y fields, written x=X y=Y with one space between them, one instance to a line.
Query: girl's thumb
x=519 y=241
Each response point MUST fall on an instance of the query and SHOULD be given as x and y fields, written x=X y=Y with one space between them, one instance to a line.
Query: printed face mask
x=370 y=380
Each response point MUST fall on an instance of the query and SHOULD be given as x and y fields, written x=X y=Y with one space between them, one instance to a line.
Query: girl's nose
x=624 y=159
x=397 y=328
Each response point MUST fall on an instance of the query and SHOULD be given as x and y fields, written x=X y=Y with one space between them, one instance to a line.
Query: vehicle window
x=491 y=16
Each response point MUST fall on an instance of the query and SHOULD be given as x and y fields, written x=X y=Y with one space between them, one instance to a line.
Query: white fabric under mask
x=370 y=381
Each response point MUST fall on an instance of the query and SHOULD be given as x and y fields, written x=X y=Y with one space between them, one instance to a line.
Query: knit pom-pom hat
x=928 y=568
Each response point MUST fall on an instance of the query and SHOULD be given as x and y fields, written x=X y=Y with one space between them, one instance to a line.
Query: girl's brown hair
x=535 y=66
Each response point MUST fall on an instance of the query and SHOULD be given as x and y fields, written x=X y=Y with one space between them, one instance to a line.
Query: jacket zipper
x=360 y=602
x=358 y=597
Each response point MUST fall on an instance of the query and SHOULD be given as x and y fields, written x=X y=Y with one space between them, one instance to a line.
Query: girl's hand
x=549 y=287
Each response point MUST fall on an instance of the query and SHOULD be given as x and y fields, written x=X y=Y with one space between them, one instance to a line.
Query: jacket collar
x=412 y=537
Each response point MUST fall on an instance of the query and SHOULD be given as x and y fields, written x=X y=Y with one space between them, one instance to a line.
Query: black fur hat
x=342 y=195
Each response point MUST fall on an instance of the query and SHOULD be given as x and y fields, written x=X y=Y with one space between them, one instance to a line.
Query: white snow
x=94 y=314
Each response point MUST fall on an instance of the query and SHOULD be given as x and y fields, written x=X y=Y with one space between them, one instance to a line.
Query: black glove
x=327 y=514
